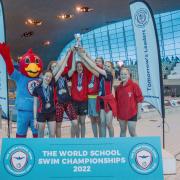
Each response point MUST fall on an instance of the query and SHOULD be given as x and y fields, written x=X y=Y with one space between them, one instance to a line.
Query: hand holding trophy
x=78 y=46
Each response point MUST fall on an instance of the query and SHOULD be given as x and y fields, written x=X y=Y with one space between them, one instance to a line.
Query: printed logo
x=19 y=160
x=129 y=94
x=32 y=84
x=141 y=18
x=144 y=158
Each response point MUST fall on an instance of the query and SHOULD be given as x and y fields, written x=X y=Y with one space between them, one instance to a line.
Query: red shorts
x=65 y=107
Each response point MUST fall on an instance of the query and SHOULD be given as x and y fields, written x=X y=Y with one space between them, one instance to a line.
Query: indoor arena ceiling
x=60 y=32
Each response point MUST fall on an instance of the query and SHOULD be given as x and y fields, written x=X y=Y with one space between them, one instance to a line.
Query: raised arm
x=73 y=67
x=89 y=68
x=57 y=67
x=5 y=53
x=62 y=65
x=90 y=62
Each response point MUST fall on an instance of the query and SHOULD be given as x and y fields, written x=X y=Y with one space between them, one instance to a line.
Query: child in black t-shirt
x=61 y=72
x=44 y=107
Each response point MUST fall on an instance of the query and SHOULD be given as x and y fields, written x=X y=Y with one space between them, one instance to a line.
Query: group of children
x=91 y=93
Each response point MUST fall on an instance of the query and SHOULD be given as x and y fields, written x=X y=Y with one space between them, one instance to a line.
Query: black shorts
x=81 y=108
x=134 y=118
x=43 y=117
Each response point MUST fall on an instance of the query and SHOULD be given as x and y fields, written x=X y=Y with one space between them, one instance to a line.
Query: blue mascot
x=26 y=78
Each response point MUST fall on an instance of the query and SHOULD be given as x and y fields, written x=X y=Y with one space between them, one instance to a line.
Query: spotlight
x=65 y=16
x=83 y=9
x=46 y=43
x=35 y=22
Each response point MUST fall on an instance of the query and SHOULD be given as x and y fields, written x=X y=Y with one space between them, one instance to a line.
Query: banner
x=3 y=74
x=148 y=57
x=86 y=159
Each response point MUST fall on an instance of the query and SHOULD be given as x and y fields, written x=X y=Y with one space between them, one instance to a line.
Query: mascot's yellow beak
x=32 y=70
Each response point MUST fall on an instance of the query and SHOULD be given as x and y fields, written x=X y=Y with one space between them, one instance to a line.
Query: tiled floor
x=150 y=124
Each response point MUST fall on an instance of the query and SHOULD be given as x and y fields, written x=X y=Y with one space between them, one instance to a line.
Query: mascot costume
x=26 y=78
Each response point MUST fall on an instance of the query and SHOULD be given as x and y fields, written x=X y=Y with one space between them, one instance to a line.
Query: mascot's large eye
x=27 y=60
x=36 y=60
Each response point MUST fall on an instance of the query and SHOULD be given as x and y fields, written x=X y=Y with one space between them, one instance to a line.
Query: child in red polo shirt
x=106 y=104
x=79 y=90
x=128 y=97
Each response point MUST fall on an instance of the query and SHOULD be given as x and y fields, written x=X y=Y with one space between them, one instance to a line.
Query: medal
x=79 y=88
x=46 y=92
x=62 y=91
x=48 y=105
x=91 y=84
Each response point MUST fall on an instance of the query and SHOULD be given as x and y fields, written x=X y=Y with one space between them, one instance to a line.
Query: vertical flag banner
x=148 y=57
x=3 y=74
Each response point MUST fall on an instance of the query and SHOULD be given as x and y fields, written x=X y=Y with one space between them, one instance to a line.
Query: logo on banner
x=141 y=18
x=144 y=158
x=19 y=160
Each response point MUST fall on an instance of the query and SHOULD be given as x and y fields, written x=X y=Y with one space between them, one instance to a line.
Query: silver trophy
x=78 y=40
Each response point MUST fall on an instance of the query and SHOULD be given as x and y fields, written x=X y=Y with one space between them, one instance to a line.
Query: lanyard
x=91 y=84
x=92 y=79
x=101 y=86
x=80 y=76
x=61 y=82
x=46 y=92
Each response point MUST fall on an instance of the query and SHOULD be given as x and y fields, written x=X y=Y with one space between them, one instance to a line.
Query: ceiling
x=61 y=32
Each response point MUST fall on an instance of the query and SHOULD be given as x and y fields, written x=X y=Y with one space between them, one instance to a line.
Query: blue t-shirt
x=25 y=86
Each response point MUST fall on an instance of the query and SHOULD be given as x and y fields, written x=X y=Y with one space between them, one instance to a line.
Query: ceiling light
x=65 y=16
x=35 y=22
x=46 y=43
x=83 y=9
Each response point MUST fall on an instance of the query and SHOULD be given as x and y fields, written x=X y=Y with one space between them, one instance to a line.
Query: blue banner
x=148 y=54
x=105 y=158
